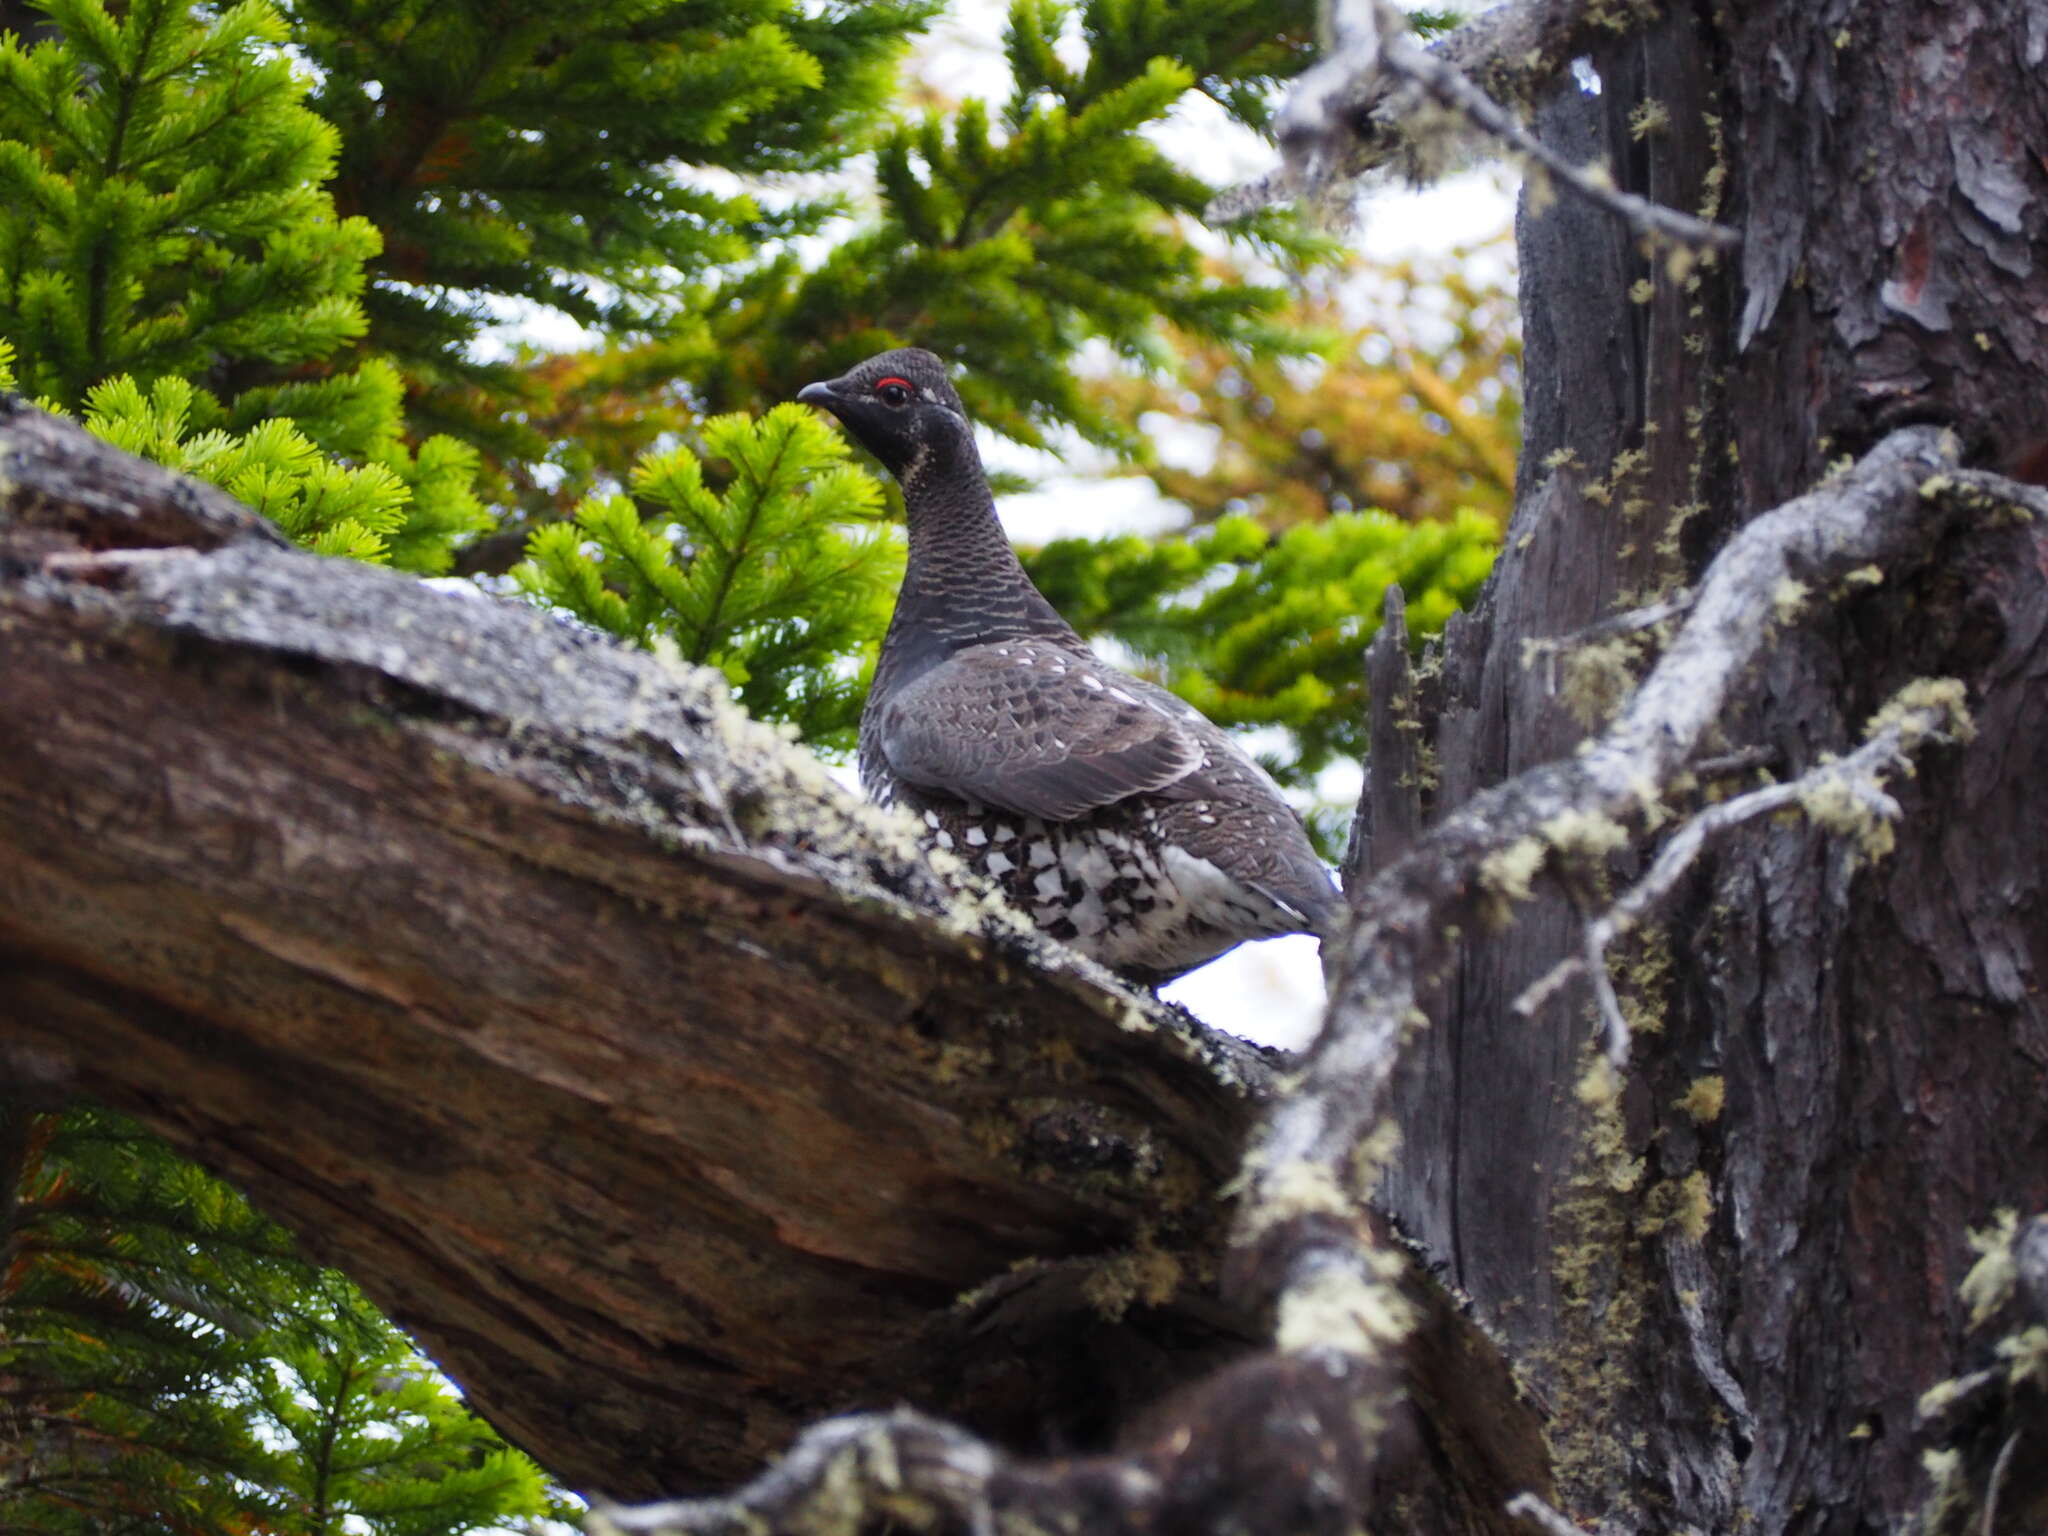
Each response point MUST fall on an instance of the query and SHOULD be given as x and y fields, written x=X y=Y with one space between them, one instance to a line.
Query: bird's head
x=901 y=407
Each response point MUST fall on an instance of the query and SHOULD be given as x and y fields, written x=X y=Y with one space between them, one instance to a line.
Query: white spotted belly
x=1108 y=886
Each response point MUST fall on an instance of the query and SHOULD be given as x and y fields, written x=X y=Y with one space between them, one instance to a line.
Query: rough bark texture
x=661 y=1086
x=538 y=989
x=1879 y=1035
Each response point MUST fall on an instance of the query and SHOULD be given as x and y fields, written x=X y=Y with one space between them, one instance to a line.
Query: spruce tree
x=164 y=231
x=171 y=1364
x=778 y=578
x=578 y=156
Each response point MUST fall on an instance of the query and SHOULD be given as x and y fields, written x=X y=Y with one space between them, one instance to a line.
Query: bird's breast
x=1136 y=886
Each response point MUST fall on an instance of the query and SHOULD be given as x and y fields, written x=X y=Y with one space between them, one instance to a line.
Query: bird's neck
x=963 y=585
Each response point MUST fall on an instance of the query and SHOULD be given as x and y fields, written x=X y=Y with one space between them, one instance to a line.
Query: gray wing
x=1035 y=729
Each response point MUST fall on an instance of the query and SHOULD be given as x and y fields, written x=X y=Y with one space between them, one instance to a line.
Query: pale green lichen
x=1941 y=1465
x=1945 y=698
x=1374 y=1155
x=1702 y=1099
x=1650 y=116
x=1924 y=708
x=1132 y=1019
x=1833 y=801
x=1990 y=1281
x=1597 y=1271
x=1599 y=1085
x=1598 y=678
x=1935 y=1401
x=1584 y=834
x=1507 y=876
x=1714 y=184
x=1144 y=1273
x=2026 y=1354
x=1335 y=1308
x=1683 y=1205
x=1293 y=1190
x=1787 y=598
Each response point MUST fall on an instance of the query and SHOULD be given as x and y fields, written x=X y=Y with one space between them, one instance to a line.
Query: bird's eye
x=893 y=391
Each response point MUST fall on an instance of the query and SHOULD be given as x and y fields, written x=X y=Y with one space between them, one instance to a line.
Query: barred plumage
x=1116 y=815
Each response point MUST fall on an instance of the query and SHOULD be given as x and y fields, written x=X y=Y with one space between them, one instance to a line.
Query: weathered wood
x=1850 y=1068
x=666 y=1090
x=661 y=1085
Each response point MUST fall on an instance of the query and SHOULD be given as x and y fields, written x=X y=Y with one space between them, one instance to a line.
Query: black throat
x=963 y=584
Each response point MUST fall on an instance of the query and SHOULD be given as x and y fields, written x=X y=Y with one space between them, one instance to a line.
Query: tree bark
x=659 y=1084
x=1751 y=1260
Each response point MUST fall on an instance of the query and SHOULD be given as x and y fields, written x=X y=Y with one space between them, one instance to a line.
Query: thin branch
x=1629 y=623
x=1346 y=116
x=1358 y=107
x=1634 y=621
x=1999 y=1469
x=1453 y=90
x=1725 y=765
x=922 y=1472
x=1854 y=789
x=1526 y=1506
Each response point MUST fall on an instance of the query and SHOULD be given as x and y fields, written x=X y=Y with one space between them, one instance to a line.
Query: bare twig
x=1549 y=647
x=1726 y=764
x=1357 y=107
x=1453 y=90
x=1849 y=791
x=2001 y=491
x=1526 y=1506
x=923 y=1472
x=1999 y=1469
x=1635 y=619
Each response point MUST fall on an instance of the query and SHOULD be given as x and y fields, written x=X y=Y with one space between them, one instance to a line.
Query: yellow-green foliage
x=161 y=198
x=782 y=576
x=401 y=507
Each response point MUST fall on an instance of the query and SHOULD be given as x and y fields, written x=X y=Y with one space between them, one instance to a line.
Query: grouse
x=1114 y=814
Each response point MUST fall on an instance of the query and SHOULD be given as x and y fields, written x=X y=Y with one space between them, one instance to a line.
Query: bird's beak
x=822 y=395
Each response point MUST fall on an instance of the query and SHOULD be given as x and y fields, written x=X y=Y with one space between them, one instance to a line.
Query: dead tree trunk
x=1733 y=1282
